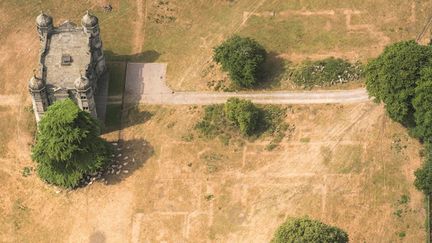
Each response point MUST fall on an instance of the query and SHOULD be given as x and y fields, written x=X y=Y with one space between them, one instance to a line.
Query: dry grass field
x=346 y=165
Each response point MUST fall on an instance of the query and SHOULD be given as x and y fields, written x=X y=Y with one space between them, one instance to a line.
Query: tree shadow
x=273 y=71
x=125 y=158
x=128 y=156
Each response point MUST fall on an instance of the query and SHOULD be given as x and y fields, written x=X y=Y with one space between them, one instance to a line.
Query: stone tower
x=39 y=96
x=84 y=95
x=72 y=65
x=90 y=25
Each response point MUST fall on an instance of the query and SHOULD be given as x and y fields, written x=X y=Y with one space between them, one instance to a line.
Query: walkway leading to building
x=145 y=84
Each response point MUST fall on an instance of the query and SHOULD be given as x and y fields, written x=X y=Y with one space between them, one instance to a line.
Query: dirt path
x=139 y=27
x=145 y=83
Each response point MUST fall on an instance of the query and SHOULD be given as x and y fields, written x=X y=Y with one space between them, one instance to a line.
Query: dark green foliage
x=423 y=181
x=242 y=58
x=308 y=230
x=393 y=76
x=68 y=145
x=326 y=72
x=422 y=104
x=242 y=118
x=243 y=113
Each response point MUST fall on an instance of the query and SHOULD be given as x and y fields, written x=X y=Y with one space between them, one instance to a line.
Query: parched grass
x=174 y=31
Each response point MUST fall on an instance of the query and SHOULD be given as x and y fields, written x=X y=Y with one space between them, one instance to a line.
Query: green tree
x=422 y=103
x=392 y=77
x=423 y=180
x=308 y=230
x=242 y=58
x=68 y=145
x=243 y=113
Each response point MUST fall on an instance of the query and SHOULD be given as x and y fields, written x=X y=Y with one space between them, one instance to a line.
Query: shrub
x=326 y=72
x=307 y=230
x=243 y=113
x=68 y=145
x=242 y=118
x=242 y=58
x=213 y=123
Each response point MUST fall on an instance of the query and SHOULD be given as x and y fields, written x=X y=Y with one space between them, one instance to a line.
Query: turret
x=38 y=92
x=44 y=24
x=84 y=95
x=90 y=24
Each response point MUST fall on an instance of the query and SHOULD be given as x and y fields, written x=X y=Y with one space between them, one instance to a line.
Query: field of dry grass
x=346 y=165
x=184 y=188
x=183 y=33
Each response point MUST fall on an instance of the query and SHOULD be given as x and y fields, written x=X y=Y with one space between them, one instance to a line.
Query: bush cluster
x=242 y=58
x=326 y=72
x=68 y=145
x=241 y=117
x=308 y=230
x=244 y=114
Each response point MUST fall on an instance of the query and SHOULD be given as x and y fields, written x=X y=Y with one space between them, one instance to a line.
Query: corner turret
x=90 y=24
x=44 y=24
x=84 y=95
x=39 y=96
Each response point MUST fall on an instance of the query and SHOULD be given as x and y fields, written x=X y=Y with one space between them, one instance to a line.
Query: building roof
x=67 y=56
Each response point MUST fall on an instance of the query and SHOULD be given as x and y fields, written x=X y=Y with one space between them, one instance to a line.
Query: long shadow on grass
x=116 y=107
x=273 y=71
x=127 y=157
x=146 y=56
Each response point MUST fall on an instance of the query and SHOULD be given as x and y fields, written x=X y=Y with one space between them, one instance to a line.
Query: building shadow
x=146 y=56
x=121 y=106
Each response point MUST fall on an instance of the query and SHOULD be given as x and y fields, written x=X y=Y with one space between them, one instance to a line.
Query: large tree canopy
x=242 y=58
x=393 y=76
x=308 y=230
x=68 y=145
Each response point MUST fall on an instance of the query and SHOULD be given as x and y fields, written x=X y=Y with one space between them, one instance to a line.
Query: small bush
x=243 y=113
x=327 y=72
x=308 y=230
x=214 y=122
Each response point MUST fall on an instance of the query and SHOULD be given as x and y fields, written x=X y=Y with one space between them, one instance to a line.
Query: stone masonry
x=71 y=65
